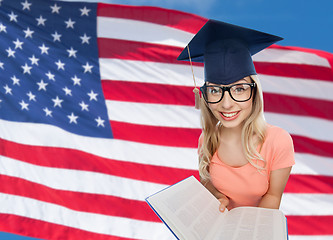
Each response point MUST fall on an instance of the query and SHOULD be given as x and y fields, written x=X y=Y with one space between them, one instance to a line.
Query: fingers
x=224 y=202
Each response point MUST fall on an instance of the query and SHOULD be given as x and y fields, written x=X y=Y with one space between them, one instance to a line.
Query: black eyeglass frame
x=203 y=90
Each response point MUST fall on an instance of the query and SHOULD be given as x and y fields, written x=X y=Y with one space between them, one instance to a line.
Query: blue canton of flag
x=49 y=67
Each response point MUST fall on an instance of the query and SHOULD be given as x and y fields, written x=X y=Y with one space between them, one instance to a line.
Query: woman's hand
x=224 y=202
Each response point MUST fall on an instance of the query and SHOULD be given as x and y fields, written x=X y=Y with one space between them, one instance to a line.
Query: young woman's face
x=229 y=112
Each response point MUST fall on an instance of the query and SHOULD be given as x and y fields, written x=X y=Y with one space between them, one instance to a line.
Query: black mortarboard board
x=226 y=50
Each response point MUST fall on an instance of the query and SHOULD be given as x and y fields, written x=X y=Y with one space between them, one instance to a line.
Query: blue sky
x=303 y=23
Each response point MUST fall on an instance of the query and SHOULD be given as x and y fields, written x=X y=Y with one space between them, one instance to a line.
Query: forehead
x=243 y=80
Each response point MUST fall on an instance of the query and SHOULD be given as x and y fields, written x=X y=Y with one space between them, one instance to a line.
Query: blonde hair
x=254 y=125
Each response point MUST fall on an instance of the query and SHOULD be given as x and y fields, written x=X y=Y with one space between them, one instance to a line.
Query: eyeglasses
x=240 y=92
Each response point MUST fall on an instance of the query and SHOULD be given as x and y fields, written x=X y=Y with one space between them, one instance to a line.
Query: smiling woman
x=243 y=160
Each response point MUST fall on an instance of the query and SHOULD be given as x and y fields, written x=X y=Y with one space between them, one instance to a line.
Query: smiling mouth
x=229 y=115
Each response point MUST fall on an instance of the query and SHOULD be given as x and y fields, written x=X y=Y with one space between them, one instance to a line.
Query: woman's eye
x=213 y=90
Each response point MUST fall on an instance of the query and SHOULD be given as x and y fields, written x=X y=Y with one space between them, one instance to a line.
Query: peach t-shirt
x=245 y=185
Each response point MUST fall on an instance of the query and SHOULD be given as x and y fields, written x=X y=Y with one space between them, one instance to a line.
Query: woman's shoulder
x=277 y=135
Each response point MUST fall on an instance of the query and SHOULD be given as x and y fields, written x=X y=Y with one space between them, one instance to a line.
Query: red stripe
x=294 y=70
x=79 y=160
x=103 y=204
x=172 y=18
x=298 y=106
x=46 y=230
x=309 y=184
x=148 y=93
x=180 y=95
x=310 y=225
x=166 y=136
x=312 y=146
x=140 y=51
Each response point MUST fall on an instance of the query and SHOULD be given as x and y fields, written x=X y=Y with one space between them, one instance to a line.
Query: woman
x=243 y=160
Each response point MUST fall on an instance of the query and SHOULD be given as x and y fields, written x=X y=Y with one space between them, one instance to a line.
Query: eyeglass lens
x=239 y=92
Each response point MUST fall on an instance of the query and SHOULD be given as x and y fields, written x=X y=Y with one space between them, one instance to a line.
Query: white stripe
x=39 y=135
x=126 y=29
x=314 y=128
x=181 y=75
x=312 y=165
x=309 y=88
x=154 y=114
x=79 y=181
x=102 y=224
x=307 y=204
x=312 y=237
x=149 y=72
x=140 y=31
x=290 y=56
x=187 y=116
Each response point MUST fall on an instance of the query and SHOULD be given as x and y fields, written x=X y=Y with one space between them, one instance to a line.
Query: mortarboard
x=226 y=50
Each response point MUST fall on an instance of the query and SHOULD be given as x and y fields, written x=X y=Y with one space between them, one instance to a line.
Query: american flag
x=96 y=114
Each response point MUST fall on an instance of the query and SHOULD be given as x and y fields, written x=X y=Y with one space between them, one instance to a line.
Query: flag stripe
x=78 y=201
x=27 y=226
x=309 y=184
x=178 y=75
x=117 y=226
x=176 y=95
x=310 y=225
x=56 y=157
x=142 y=51
x=180 y=20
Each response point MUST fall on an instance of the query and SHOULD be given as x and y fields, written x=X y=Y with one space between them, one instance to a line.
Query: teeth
x=229 y=114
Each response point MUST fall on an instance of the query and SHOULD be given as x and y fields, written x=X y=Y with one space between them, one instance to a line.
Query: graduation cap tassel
x=195 y=90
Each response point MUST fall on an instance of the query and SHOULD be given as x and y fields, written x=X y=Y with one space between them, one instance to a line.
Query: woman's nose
x=227 y=102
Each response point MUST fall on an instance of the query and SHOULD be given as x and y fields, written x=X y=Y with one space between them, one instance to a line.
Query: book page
x=189 y=207
x=252 y=223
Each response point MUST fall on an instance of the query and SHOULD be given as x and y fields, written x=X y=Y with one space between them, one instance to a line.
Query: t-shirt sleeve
x=284 y=154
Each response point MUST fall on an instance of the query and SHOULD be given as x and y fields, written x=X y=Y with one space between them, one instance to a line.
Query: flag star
x=42 y=85
x=12 y=17
x=11 y=53
x=8 y=90
x=60 y=65
x=100 y=122
x=72 y=118
x=87 y=67
x=50 y=76
x=3 y=28
x=72 y=52
x=85 y=11
x=55 y=8
x=84 y=106
x=41 y=20
x=70 y=23
x=57 y=102
x=18 y=44
x=85 y=39
x=24 y=105
x=26 y=69
x=76 y=80
x=31 y=96
x=26 y=5
x=15 y=80
x=28 y=33
x=34 y=60
x=44 y=49
x=92 y=95
x=1 y=65
x=47 y=112
x=56 y=36
x=67 y=91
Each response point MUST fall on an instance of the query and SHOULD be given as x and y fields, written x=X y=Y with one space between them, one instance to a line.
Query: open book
x=191 y=212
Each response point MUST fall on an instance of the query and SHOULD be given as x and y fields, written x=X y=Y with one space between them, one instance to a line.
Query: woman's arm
x=277 y=183
x=224 y=200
